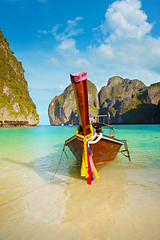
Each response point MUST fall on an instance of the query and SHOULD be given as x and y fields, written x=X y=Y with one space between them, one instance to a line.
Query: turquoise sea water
x=122 y=204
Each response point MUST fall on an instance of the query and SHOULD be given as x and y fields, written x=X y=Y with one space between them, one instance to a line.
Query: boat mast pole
x=80 y=86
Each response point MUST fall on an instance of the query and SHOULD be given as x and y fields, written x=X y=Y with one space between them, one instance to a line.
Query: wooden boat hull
x=103 y=151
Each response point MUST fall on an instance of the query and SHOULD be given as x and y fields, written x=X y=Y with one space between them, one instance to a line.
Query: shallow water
x=122 y=204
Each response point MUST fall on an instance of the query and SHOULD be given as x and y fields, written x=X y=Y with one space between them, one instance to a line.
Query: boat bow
x=91 y=148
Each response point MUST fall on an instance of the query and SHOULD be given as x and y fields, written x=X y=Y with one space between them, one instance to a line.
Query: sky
x=105 y=38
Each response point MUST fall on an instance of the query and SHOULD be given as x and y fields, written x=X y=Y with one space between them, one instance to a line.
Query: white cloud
x=42 y=31
x=81 y=63
x=72 y=23
x=155 y=48
x=126 y=47
x=71 y=30
x=68 y=46
x=105 y=51
x=125 y=20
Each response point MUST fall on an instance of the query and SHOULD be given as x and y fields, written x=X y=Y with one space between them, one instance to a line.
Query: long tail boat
x=90 y=146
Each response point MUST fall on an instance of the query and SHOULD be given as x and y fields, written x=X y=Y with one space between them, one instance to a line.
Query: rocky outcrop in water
x=63 y=110
x=127 y=101
x=130 y=101
x=16 y=105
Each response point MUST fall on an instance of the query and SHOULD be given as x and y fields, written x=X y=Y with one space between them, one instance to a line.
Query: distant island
x=127 y=101
x=16 y=105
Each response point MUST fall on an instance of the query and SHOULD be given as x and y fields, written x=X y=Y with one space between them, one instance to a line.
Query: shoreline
x=9 y=123
x=110 y=124
x=49 y=125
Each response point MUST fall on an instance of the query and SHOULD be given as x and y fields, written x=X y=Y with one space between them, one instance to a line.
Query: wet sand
x=117 y=206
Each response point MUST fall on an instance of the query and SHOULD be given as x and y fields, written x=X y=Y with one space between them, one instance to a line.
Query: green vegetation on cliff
x=15 y=101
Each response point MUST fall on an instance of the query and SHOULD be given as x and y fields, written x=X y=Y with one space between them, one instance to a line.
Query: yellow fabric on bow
x=84 y=167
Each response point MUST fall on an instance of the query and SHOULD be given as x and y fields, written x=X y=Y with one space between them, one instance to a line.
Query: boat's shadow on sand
x=52 y=166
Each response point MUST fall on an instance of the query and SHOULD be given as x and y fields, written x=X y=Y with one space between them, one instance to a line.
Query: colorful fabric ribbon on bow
x=88 y=169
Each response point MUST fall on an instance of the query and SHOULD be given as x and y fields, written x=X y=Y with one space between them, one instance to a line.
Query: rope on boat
x=125 y=150
x=22 y=195
x=97 y=140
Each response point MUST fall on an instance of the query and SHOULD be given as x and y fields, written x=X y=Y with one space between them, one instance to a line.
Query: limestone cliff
x=130 y=101
x=127 y=101
x=16 y=105
x=63 y=110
